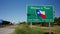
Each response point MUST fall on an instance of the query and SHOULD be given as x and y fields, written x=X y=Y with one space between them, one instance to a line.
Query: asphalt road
x=6 y=30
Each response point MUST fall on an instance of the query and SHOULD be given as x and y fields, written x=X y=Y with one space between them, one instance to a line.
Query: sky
x=15 y=10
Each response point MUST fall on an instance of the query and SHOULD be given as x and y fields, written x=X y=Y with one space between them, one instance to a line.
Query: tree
x=55 y=20
x=59 y=20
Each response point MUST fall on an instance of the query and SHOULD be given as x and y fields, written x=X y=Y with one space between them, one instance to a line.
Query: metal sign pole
x=49 y=28
x=31 y=24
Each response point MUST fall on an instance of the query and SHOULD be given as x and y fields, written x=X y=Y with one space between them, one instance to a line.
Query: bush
x=25 y=29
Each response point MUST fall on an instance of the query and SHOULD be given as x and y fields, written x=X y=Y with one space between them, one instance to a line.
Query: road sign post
x=31 y=24
x=49 y=28
x=40 y=14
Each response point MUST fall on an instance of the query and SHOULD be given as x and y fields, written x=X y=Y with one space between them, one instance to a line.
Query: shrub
x=25 y=29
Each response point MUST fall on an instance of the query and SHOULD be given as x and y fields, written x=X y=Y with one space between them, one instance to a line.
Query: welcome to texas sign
x=40 y=14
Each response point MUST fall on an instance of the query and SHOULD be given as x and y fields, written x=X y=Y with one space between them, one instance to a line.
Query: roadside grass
x=25 y=29
x=54 y=29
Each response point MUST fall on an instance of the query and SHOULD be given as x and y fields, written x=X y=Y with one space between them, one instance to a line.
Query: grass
x=25 y=29
x=54 y=29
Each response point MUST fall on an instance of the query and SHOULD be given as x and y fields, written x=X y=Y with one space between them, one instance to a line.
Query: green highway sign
x=40 y=14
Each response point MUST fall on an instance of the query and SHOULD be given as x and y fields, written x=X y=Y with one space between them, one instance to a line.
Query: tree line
x=56 y=22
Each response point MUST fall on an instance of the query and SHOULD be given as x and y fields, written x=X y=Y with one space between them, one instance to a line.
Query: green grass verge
x=25 y=29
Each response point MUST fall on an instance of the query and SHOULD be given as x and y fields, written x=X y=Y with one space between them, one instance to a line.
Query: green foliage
x=57 y=20
x=25 y=29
